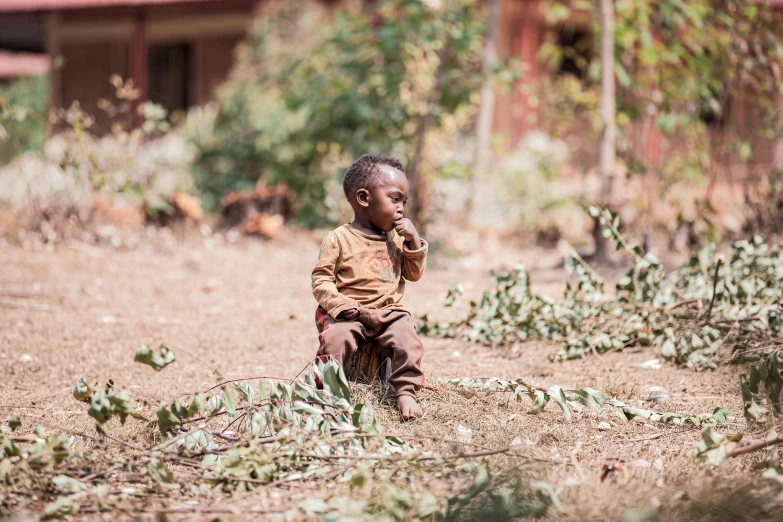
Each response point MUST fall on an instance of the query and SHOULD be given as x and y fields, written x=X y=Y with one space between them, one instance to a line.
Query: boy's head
x=377 y=189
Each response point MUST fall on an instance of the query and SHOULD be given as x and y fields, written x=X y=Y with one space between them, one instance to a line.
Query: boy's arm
x=414 y=250
x=324 y=286
x=414 y=261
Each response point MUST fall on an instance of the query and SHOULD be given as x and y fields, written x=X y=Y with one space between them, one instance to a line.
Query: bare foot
x=408 y=407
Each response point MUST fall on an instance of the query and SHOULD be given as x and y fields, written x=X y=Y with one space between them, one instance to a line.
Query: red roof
x=22 y=64
x=8 y=6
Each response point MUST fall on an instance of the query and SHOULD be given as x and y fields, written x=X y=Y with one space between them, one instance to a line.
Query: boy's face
x=384 y=203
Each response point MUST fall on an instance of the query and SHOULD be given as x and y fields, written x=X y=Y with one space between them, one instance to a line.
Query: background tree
x=684 y=70
x=317 y=88
x=607 y=157
x=23 y=118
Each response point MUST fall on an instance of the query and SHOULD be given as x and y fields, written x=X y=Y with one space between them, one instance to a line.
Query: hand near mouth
x=405 y=228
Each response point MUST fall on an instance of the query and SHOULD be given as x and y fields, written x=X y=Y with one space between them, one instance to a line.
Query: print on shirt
x=383 y=266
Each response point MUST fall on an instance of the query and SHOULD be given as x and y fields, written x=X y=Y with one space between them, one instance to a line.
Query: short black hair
x=362 y=172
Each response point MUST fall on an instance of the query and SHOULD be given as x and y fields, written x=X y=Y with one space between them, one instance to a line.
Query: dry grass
x=245 y=309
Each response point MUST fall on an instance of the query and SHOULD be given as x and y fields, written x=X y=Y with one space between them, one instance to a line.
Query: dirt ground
x=244 y=309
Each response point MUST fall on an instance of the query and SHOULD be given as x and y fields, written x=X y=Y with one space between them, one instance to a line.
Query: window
x=168 y=79
x=577 y=50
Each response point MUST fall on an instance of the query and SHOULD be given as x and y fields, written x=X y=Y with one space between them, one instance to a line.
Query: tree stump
x=369 y=364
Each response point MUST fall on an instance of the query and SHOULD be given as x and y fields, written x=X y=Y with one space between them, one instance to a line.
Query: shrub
x=315 y=88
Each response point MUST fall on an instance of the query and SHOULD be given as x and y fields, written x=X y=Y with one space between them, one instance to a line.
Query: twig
x=649 y=437
x=732 y=321
x=26 y=306
x=714 y=290
x=24 y=438
x=304 y=368
x=218 y=385
x=442 y=391
x=684 y=303
x=735 y=449
x=169 y=442
x=21 y=295
x=214 y=370
x=595 y=352
x=233 y=421
x=222 y=412
x=102 y=473
x=229 y=438
x=471 y=455
x=487 y=453
x=120 y=441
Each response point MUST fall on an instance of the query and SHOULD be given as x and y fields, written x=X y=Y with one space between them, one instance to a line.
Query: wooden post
x=369 y=364
x=200 y=96
x=527 y=50
x=54 y=49
x=139 y=54
x=607 y=108
x=487 y=104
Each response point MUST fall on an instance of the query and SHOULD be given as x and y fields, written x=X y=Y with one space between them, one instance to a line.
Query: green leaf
x=246 y=391
x=539 y=401
x=428 y=506
x=231 y=408
x=168 y=420
x=589 y=399
x=216 y=403
x=550 y=492
x=262 y=395
x=720 y=415
x=258 y=423
x=668 y=350
x=63 y=506
x=67 y=483
x=14 y=422
x=711 y=438
x=557 y=395
x=146 y=356
x=160 y=474
x=303 y=407
x=359 y=475
x=334 y=377
x=82 y=391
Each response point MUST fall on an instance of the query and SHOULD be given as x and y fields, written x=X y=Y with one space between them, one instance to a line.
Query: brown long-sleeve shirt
x=357 y=270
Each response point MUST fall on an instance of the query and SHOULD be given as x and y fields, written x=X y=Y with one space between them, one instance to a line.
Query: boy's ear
x=363 y=197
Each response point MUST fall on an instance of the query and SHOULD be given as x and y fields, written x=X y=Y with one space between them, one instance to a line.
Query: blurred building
x=16 y=65
x=176 y=51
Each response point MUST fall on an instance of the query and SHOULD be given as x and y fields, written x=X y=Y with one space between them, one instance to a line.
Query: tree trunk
x=368 y=364
x=417 y=203
x=487 y=104
x=607 y=157
x=484 y=118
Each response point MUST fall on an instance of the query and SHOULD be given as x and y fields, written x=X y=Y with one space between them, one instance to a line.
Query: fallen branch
x=714 y=290
x=735 y=449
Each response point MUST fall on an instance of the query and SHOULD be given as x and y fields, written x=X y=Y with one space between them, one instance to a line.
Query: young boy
x=361 y=272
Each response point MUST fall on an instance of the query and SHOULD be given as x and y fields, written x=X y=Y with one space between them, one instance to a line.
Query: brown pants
x=393 y=330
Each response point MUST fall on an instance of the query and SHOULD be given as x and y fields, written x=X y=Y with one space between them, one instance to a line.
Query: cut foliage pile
x=248 y=433
x=710 y=301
